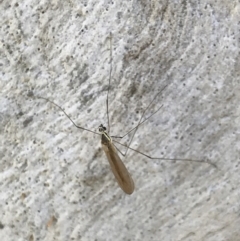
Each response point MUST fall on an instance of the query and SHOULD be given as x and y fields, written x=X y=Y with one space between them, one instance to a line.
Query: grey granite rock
x=55 y=181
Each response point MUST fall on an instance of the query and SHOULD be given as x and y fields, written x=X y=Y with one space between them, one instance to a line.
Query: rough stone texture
x=55 y=180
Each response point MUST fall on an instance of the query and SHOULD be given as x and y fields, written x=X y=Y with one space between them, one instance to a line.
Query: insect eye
x=101 y=128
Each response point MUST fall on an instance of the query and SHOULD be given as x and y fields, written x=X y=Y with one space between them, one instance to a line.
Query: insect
x=118 y=168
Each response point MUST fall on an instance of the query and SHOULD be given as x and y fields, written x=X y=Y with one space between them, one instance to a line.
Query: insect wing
x=119 y=170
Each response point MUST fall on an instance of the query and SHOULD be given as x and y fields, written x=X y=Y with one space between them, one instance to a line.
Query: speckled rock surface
x=55 y=181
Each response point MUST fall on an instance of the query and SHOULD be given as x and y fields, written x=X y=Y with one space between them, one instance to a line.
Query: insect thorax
x=105 y=137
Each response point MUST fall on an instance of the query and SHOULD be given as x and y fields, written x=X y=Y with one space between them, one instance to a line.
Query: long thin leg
x=163 y=158
x=109 y=80
x=136 y=128
x=119 y=150
x=120 y=137
x=79 y=127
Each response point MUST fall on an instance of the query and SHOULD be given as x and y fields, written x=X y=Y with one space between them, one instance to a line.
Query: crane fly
x=118 y=168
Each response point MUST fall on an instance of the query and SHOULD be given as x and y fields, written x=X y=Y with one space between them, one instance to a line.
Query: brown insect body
x=119 y=170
